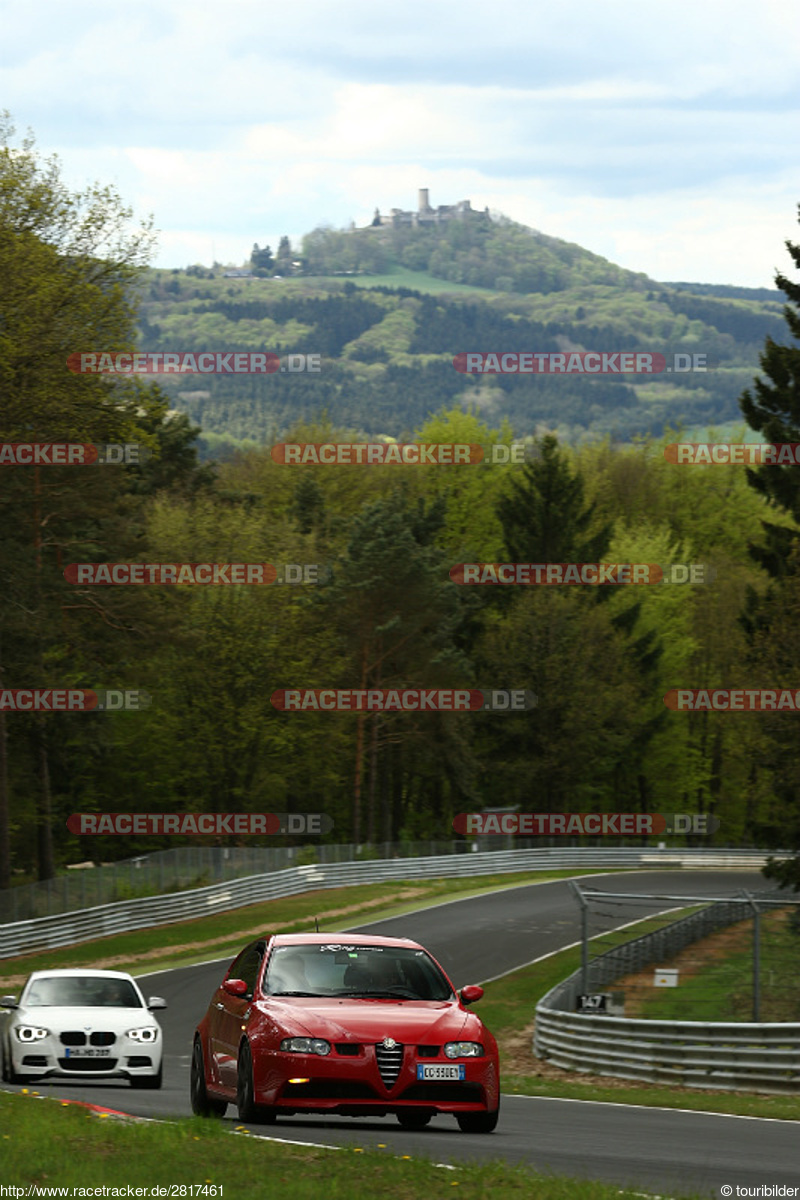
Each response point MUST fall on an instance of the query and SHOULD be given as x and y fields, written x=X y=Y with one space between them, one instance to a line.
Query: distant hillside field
x=387 y=310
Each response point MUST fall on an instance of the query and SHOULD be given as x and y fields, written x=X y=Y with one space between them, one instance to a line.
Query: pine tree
x=774 y=410
x=772 y=621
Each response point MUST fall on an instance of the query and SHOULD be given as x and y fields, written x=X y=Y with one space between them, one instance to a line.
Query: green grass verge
x=508 y=1008
x=55 y=1146
x=722 y=989
x=217 y=935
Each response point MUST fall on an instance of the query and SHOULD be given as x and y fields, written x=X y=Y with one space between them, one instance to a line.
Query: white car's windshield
x=338 y=969
x=87 y=992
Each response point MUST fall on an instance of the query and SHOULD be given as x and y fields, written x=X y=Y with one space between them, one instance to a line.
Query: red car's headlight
x=306 y=1045
x=464 y=1049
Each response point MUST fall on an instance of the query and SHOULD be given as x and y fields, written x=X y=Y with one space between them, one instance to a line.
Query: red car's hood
x=372 y=1020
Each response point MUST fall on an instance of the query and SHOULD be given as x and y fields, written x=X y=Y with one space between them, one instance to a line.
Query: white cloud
x=662 y=136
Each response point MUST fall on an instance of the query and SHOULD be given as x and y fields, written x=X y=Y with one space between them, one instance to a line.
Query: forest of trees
x=387 y=354
x=599 y=659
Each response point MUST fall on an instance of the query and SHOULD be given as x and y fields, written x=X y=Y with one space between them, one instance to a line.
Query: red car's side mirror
x=235 y=987
x=471 y=993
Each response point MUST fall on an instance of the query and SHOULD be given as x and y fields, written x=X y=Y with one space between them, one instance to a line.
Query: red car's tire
x=413 y=1118
x=257 y=1114
x=485 y=1122
x=202 y=1104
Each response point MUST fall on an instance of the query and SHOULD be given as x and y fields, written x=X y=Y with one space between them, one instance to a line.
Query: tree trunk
x=5 y=845
x=373 y=772
x=44 y=815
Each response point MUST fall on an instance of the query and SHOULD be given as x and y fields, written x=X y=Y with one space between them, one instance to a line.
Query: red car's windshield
x=338 y=969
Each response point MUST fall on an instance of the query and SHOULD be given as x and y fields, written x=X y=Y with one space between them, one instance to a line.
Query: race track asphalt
x=478 y=939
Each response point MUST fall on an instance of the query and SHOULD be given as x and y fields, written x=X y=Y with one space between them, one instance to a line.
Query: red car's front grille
x=390 y=1060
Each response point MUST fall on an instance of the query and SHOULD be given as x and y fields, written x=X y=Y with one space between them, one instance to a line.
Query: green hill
x=388 y=309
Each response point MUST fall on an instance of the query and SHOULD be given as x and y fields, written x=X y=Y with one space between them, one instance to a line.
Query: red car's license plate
x=440 y=1071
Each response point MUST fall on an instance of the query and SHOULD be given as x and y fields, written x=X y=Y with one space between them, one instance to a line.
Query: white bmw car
x=79 y=1024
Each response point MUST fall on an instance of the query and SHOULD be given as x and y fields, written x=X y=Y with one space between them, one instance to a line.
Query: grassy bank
x=508 y=1008
x=51 y=1145
x=716 y=977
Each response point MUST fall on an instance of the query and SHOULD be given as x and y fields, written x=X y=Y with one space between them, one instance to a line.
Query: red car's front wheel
x=245 y=1092
x=485 y=1122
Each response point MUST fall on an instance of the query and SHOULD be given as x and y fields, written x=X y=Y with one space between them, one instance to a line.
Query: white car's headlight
x=146 y=1034
x=463 y=1049
x=306 y=1045
x=31 y=1033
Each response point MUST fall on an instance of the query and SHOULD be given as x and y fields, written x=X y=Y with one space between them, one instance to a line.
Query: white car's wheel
x=148 y=1081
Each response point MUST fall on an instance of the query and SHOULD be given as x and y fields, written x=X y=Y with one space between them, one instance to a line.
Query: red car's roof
x=335 y=939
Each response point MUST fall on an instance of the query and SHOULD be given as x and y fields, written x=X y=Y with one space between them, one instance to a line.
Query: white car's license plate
x=87 y=1052
x=440 y=1071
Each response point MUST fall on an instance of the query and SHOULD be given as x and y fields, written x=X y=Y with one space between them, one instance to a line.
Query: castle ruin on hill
x=425 y=214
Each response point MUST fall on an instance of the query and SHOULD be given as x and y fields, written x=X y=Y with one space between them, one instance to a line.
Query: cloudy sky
x=662 y=135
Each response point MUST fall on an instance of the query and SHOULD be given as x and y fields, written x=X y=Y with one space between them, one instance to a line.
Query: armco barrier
x=749 y=1056
x=103 y=920
x=728 y=1055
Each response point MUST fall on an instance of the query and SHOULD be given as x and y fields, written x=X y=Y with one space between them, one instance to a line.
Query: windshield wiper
x=401 y=995
x=317 y=994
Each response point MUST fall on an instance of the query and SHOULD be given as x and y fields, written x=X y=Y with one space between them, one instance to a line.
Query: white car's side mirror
x=156 y=1002
x=8 y=1002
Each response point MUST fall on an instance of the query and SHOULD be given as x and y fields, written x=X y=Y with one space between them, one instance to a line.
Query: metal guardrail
x=182 y=867
x=762 y=1057
x=725 y=1055
x=101 y=921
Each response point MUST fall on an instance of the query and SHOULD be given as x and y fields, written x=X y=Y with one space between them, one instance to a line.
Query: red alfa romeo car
x=347 y=1024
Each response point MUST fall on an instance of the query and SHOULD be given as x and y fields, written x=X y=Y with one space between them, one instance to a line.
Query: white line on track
x=695 y=1112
